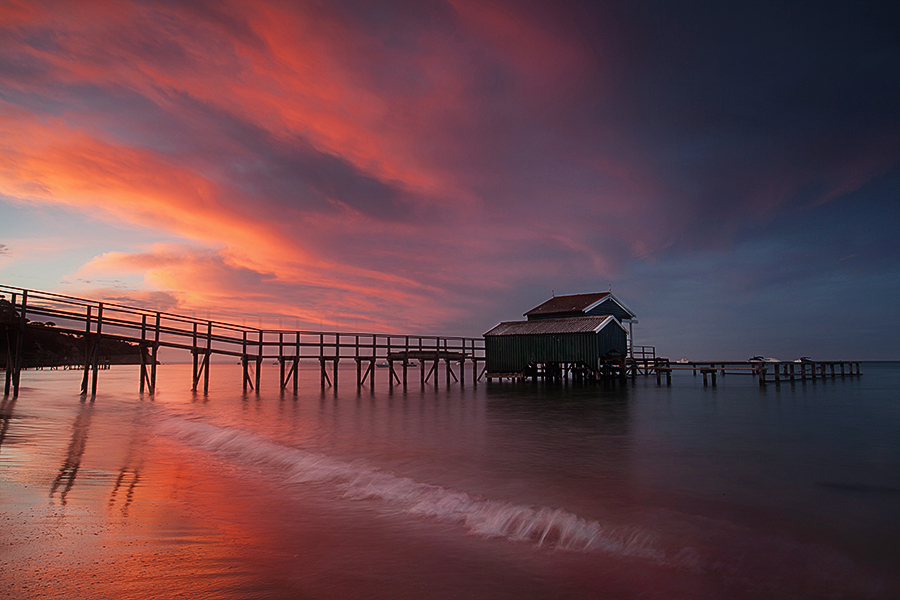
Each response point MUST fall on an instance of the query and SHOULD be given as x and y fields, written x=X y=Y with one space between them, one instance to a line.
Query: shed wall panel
x=612 y=337
x=512 y=353
x=609 y=307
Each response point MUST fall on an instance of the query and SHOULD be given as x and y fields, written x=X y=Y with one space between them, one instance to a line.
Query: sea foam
x=545 y=527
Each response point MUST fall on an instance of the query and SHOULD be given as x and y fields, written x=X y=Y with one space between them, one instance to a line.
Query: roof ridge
x=568 y=303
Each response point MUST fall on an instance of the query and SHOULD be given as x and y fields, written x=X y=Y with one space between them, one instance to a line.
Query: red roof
x=573 y=303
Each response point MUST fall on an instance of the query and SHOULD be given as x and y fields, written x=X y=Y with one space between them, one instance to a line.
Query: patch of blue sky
x=44 y=246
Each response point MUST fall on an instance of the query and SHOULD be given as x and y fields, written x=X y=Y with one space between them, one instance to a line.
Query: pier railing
x=204 y=338
x=641 y=359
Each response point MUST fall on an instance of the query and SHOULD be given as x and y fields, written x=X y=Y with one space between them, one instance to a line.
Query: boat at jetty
x=764 y=359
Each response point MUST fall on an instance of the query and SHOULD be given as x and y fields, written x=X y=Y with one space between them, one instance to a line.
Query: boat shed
x=515 y=346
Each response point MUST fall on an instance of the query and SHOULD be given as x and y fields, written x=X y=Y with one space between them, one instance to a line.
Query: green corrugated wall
x=512 y=353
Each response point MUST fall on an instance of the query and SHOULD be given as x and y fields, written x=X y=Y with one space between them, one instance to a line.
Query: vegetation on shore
x=46 y=346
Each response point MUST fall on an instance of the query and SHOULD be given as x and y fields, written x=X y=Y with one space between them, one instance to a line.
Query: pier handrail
x=117 y=317
x=152 y=329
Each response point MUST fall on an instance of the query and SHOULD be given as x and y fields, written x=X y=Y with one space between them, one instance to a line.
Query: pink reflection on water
x=211 y=497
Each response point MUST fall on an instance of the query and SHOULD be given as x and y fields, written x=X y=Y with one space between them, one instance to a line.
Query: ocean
x=500 y=490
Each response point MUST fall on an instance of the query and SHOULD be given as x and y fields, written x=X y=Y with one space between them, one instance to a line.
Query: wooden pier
x=204 y=338
x=398 y=354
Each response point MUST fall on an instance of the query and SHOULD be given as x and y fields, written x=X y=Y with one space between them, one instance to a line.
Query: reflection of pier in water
x=69 y=470
x=152 y=330
x=6 y=407
x=128 y=477
x=130 y=474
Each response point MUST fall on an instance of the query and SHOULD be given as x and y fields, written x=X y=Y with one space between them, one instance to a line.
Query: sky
x=731 y=171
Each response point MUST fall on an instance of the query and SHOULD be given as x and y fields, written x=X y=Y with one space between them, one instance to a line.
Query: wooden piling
x=358 y=363
x=88 y=350
x=15 y=343
x=96 y=364
x=259 y=360
x=297 y=364
x=337 y=356
x=405 y=359
x=372 y=363
x=20 y=342
x=207 y=357
x=421 y=365
x=245 y=363
x=435 y=370
x=143 y=347
x=154 y=359
x=281 y=380
x=462 y=365
x=194 y=359
x=323 y=375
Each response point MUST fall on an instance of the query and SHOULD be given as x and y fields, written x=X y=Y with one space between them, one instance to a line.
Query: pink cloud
x=317 y=161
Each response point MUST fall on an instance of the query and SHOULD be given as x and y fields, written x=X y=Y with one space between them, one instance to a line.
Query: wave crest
x=543 y=526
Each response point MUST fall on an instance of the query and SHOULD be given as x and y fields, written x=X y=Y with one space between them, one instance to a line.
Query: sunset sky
x=730 y=170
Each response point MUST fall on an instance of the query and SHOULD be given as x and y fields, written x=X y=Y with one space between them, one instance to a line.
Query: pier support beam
x=15 y=342
x=259 y=360
x=154 y=358
x=668 y=371
x=91 y=352
x=334 y=368
x=324 y=372
x=246 y=380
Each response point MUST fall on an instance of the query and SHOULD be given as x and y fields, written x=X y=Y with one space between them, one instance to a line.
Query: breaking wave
x=542 y=526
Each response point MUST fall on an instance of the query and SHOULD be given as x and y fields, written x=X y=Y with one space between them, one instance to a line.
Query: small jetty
x=764 y=371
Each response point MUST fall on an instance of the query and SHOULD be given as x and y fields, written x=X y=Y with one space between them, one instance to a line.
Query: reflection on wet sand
x=129 y=475
x=69 y=470
x=6 y=408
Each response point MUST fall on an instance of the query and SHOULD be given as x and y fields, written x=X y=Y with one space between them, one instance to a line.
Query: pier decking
x=204 y=338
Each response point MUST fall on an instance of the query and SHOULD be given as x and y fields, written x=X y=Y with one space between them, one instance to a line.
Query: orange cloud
x=216 y=281
x=300 y=75
x=47 y=161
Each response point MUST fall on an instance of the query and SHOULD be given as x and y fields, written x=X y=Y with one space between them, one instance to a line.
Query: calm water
x=495 y=491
